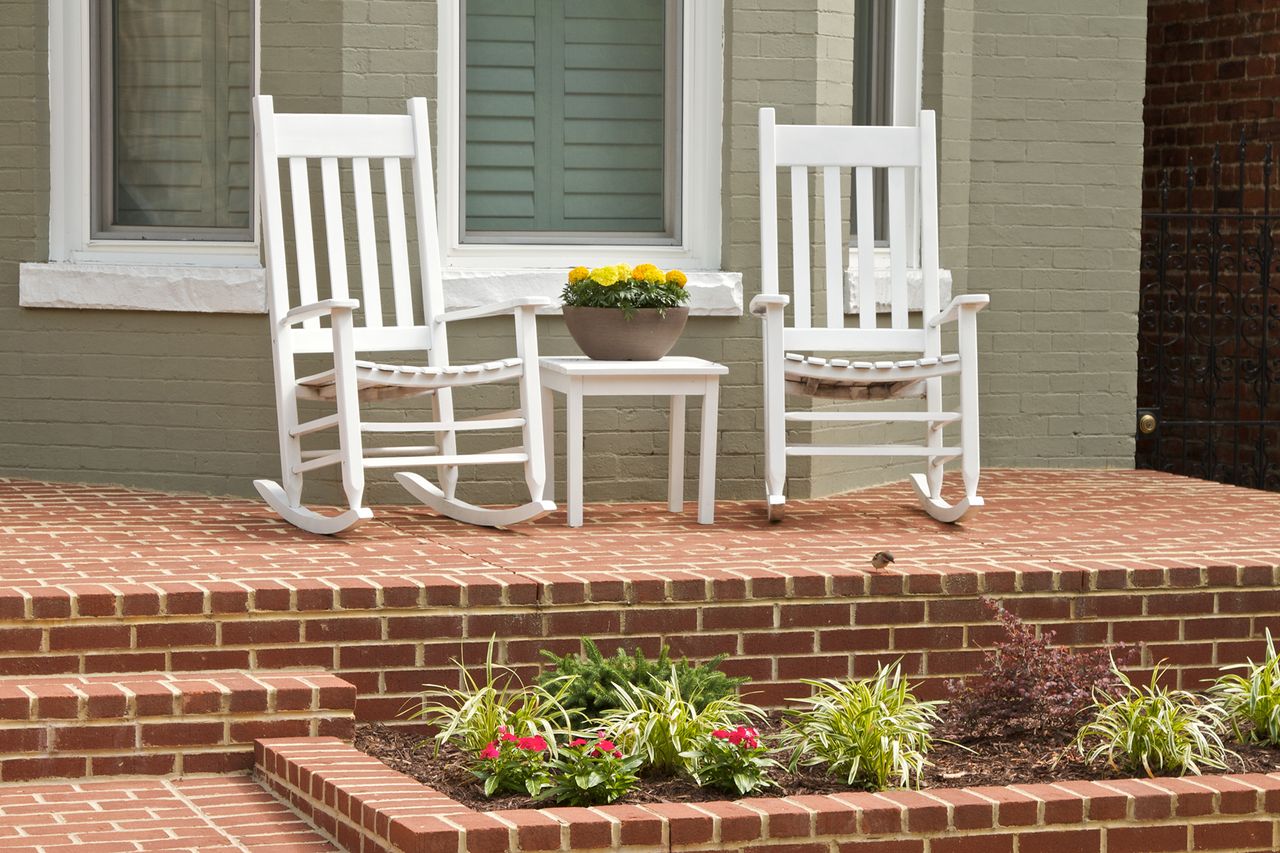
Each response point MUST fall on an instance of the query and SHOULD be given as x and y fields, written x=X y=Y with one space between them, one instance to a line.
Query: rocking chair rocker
x=846 y=371
x=359 y=326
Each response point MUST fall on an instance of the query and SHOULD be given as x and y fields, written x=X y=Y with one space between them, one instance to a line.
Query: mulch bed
x=988 y=761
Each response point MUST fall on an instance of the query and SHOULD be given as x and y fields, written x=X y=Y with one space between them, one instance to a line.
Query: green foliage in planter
x=1253 y=698
x=590 y=773
x=664 y=725
x=478 y=712
x=621 y=286
x=1156 y=730
x=593 y=682
x=872 y=732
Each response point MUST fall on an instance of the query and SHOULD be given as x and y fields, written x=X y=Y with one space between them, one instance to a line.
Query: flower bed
x=364 y=805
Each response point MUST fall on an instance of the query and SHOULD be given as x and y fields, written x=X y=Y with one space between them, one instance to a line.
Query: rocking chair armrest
x=507 y=306
x=968 y=302
x=761 y=303
x=318 y=309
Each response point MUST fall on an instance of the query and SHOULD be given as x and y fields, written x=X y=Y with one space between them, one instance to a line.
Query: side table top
x=672 y=365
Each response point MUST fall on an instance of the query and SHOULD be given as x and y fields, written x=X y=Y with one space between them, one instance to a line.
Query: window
x=172 y=131
x=570 y=121
x=887 y=55
x=150 y=133
x=580 y=128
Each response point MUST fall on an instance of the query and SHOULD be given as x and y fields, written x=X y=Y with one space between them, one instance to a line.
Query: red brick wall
x=1212 y=71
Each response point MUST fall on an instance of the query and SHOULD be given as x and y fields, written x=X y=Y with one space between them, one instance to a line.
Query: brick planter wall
x=160 y=723
x=366 y=806
x=389 y=636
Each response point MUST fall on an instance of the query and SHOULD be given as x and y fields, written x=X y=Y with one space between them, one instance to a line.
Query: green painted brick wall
x=1040 y=146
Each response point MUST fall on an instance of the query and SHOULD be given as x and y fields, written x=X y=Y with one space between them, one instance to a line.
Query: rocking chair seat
x=376 y=381
x=864 y=380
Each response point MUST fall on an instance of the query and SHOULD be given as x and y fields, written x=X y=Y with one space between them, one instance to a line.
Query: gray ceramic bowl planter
x=606 y=334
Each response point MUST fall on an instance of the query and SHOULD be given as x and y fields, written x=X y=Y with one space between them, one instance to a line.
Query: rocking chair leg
x=427 y=493
x=447 y=441
x=305 y=519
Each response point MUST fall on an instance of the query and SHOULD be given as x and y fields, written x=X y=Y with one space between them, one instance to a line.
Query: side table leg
x=573 y=451
x=675 y=455
x=549 y=441
x=707 y=453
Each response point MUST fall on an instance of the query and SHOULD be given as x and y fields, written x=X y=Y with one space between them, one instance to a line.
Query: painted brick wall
x=1055 y=151
x=1040 y=139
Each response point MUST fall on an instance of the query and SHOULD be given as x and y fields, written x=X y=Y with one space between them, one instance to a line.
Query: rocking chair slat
x=801 y=311
x=331 y=192
x=832 y=222
x=370 y=287
x=496 y=458
x=898 y=246
x=866 y=249
x=396 y=239
x=303 y=236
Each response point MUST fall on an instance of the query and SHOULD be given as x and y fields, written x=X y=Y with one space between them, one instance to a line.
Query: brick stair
x=75 y=726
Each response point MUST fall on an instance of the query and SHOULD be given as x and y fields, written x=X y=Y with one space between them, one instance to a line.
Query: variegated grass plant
x=661 y=723
x=1253 y=698
x=1155 y=729
x=872 y=732
x=474 y=714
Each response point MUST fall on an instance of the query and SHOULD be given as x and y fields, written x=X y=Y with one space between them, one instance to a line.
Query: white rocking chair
x=848 y=370
x=359 y=326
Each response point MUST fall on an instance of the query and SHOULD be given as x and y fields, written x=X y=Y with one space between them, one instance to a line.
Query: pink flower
x=490 y=752
x=576 y=742
x=508 y=736
x=617 y=753
x=533 y=744
x=604 y=746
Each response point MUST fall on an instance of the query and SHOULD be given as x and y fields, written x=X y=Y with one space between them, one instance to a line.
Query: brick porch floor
x=203 y=814
x=84 y=539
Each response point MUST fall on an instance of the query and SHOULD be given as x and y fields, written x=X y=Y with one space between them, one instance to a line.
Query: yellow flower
x=605 y=276
x=577 y=274
x=677 y=277
x=647 y=273
x=624 y=271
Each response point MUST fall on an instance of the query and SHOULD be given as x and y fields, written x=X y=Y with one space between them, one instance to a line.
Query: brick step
x=74 y=726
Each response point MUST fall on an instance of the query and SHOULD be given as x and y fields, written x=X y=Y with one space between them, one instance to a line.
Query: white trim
x=701 y=120
x=711 y=293
x=143 y=287
x=884 y=287
x=908 y=77
x=70 y=135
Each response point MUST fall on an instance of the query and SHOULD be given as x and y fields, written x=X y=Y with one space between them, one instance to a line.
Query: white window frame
x=127 y=274
x=702 y=110
x=905 y=102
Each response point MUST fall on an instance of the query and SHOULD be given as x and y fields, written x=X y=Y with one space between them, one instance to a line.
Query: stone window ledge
x=242 y=290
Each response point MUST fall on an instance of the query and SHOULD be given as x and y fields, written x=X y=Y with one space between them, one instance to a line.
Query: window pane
x=175 y=117
x=569 y=117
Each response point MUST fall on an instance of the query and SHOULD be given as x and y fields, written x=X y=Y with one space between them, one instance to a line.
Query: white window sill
x=238 y=290
x=915 y=288
x=711 y=293
x=143 y=287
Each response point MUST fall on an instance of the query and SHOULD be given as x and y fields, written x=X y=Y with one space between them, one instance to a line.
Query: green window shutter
x=181 y=133
x=566 y=104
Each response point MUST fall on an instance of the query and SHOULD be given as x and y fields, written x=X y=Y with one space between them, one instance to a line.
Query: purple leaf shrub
x=1028 y=685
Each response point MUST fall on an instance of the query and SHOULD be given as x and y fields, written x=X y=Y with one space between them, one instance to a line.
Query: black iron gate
x=1209 y=324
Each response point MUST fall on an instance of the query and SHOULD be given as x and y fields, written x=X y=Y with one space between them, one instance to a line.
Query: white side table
x=675 y=376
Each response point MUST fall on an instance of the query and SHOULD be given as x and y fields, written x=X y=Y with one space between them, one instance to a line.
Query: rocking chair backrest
x=388 y=141
x=907 y=154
